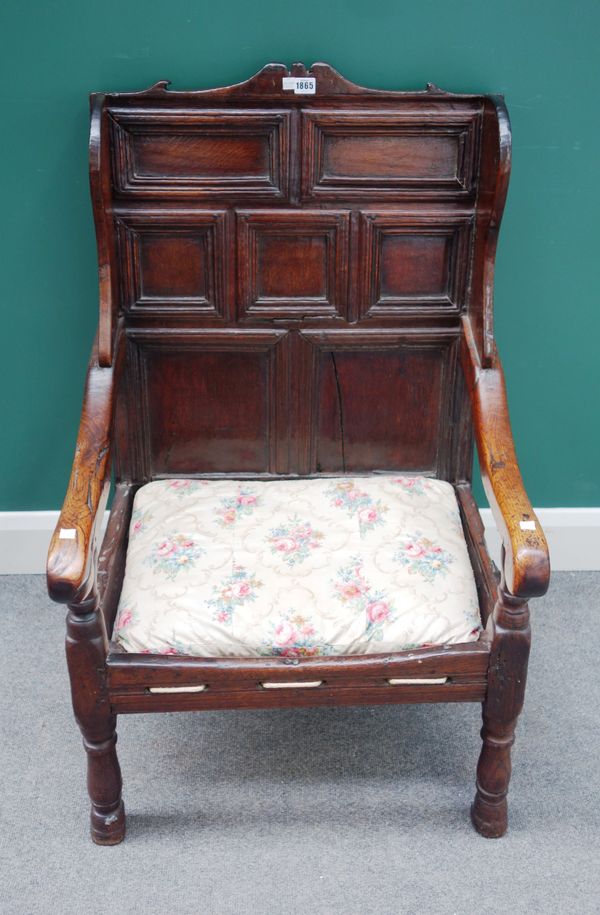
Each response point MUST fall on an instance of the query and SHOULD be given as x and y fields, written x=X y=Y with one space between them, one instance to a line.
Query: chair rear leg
x=86 y=656
x=504 y=701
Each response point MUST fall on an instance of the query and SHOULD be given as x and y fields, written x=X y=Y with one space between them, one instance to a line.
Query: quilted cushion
x=298 y=568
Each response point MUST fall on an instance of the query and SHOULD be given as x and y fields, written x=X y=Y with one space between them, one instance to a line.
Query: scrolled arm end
x=70 y=569
x=526 y=555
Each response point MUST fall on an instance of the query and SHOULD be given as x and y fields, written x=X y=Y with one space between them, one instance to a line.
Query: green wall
x=542 y=55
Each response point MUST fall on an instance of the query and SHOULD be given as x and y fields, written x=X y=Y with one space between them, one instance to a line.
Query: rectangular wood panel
x=292 y=263
x=371 y=402
x=412 y=262
x=175 y=263
x=173 y=266
x=209 y=402
x=199 y=153
x=382 y=154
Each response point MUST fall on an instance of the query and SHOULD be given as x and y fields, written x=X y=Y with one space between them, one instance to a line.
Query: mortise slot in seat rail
x=177 y=689
x=299 y=684
x=413 y=681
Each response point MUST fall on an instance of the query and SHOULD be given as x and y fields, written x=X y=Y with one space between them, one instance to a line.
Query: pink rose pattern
x=294 y=541
x=352 y=588
x=423 y=557
x=127 y=615
x=374 y=603
x=416 y=486
x=237 y=506
x=294 y=636
x=184 y=487
x=176 y=648
x=139 y=519
x=347 y=495
x=237 y=590
x=174 y=553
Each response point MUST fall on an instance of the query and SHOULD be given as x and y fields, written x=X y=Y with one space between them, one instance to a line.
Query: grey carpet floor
x=321 y=812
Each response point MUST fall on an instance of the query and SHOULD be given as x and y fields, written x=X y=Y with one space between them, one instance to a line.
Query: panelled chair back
x=296 y=312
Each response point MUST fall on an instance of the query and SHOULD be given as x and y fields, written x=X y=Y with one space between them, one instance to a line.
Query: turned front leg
x=503 y=703
x=490 y=808
x=86 y=656
x=104 y=787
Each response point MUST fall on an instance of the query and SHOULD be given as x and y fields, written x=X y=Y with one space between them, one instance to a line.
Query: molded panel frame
x=359 y=340
x=272 y=125
x=332 y=225
x=266 y=343
x=320 y=125
x=211 y=225
x=375 y=226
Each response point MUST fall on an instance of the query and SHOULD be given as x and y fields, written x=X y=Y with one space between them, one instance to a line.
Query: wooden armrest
x=527 y=561
x=72 y=555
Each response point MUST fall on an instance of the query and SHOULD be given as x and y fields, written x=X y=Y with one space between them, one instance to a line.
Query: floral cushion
x=296 y=568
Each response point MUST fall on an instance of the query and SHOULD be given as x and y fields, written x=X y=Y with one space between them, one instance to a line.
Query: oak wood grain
x=71 y=558
x=527 y=564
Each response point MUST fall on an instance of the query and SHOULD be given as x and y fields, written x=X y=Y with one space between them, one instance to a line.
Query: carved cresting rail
x=296 y=278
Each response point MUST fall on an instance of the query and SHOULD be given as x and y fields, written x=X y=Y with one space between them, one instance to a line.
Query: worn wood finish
x=486 y=574
x=71 y=567
x=527 y=566
x=100 y=187
x=86 y=658
x=295 y=285
x=238 y=682
x=111 y=559
x=493 y=183
x=503 y=703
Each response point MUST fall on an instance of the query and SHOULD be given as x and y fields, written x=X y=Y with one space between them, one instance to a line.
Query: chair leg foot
x=489 y=812
x=489 y=819
x=104 y=787
x=108 y=826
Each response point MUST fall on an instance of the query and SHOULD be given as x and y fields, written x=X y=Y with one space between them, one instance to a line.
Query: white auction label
x=301 y=85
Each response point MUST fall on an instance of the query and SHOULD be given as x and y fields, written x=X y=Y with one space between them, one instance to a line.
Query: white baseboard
x=24 y=539
x=573 y=535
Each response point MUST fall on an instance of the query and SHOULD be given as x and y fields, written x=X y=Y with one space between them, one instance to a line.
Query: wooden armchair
x=295 y=300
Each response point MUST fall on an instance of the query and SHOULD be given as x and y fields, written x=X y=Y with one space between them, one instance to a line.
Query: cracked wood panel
x=385 y=399
x=356 y=428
